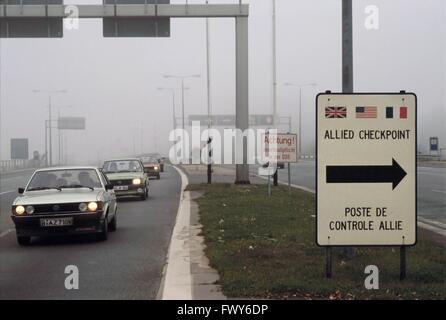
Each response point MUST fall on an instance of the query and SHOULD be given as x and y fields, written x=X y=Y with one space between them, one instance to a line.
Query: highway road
x=127 y=266
x=431 y=189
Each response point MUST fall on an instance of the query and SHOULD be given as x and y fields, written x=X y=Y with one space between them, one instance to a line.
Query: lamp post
x=49 y=155
x=172 y=91
x=300 y=86
x=182 y=78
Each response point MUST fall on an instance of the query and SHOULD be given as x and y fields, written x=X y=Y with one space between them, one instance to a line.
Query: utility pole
x=174 y=122
x=46 y=143
x=275 y=178
x=182 y=78
x=347 y=64
x=208 y=67
x=49 y=92
x=49 y=128
x=347 y=46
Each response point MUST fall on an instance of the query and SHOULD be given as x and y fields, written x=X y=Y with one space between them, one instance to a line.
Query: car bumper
x=132 y=191
x=83 y=223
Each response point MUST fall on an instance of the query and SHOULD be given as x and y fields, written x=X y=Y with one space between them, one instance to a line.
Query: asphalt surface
x=128 y=265
x=431 y=188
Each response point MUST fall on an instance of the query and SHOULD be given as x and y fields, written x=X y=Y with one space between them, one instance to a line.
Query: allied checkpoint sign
x=366 y=169
x=279 y=146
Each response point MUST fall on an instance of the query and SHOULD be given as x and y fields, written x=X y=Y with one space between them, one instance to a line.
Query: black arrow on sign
x=366 y=174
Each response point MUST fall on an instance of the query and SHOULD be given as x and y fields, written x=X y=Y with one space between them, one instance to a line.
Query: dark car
x=151 y=166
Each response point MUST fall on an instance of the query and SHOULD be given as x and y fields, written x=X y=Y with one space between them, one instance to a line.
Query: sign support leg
x=328 y=262
x=289 y=177
x=269 y=185
x=276 y=177
x=402 y=263
x=242 y=96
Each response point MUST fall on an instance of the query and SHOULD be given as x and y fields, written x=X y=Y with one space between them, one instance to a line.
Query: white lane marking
x=178 y=277
x=433 y=222
x=5 y=192
x=439 y=191
x=4 y=233
x=429 y=227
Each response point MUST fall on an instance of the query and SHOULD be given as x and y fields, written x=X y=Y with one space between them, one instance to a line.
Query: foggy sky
x=113 y=82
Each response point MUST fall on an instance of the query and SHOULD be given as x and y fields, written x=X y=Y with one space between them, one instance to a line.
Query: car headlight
x=156 y=168
x=92 y=206
x=29 y=210
x=83 y=207
x=136 y=181
x=19 y=210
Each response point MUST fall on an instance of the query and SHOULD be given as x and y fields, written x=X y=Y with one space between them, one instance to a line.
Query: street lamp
x=49 y=157
x=172 y=90
x=182 y=78
x=300 y=86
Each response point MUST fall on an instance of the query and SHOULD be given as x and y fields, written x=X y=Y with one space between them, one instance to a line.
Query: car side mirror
x=108 y=187
x=21 y=190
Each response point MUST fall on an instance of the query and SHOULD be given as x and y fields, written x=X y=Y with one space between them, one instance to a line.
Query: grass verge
x=265 y=248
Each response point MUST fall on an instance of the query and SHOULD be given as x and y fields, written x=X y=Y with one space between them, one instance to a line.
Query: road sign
x=19 y=149
x=433 y=143
x=138 y=26
x=31 y=27
x=228 y=120
x=71 y=123
x=366 y=169
x=280 y=146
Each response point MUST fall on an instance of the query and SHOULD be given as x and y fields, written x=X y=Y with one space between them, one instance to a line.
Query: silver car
x=61 y=201
x=128 y=177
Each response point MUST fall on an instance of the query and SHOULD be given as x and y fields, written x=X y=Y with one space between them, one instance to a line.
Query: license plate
x=56 y=222
x=121 y=188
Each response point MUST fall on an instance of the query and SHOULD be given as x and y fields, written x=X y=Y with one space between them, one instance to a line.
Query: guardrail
x=13 y=165
x=441 y=156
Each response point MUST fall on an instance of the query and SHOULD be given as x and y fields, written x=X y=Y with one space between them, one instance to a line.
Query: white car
x=61 y=201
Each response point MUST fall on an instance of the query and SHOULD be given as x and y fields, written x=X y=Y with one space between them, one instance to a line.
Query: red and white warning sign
x=279 y=147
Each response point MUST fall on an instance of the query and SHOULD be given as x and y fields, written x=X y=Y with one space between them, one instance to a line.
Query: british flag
x=335 y=112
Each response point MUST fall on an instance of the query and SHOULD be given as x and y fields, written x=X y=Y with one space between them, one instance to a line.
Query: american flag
x=366 y=112
x=335 y=112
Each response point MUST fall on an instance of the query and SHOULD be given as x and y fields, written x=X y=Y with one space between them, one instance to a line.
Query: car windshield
x=64 y=179
x=149 y=160
x=122 y=166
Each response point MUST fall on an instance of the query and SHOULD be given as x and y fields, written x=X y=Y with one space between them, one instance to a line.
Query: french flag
x=403 y=112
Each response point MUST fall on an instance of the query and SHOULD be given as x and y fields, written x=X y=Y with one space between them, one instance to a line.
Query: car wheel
x=158 y=176
x=144 y=196
x=113 y=225
x=23 y=241
x=103 y=236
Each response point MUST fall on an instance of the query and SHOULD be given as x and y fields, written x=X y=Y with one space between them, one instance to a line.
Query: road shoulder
x=187 y=273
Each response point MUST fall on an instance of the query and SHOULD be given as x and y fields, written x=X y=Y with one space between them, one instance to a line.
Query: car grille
x=121 y=182
x=56 y=208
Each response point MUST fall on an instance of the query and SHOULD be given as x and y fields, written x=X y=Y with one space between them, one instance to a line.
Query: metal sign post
x=239 y=12
x=402 y=262
x=209 y=160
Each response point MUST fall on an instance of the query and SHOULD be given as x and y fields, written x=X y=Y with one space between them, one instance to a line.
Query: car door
x=146 y=176
x=109 y=194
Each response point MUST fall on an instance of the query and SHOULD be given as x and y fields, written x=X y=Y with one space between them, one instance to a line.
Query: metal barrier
x=13 y=165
